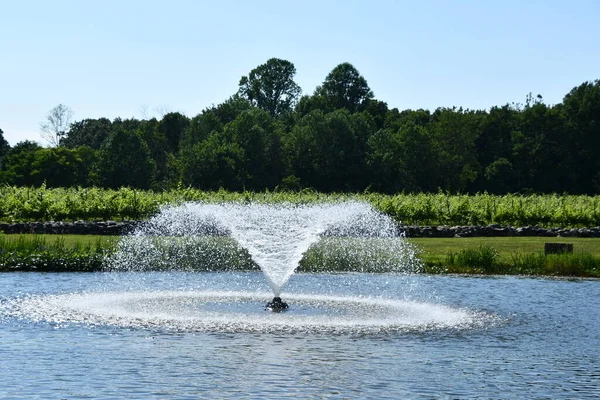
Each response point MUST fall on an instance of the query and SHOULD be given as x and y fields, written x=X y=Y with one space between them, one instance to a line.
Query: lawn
x=437 y=249
x=495 y=255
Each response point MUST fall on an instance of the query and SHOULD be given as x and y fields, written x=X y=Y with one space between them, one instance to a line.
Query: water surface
x=205 y=335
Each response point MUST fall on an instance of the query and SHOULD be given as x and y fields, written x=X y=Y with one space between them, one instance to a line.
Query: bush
x=34 y=253
x=483 y=259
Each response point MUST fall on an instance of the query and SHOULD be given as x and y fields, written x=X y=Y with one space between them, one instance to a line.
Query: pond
x=207 y=335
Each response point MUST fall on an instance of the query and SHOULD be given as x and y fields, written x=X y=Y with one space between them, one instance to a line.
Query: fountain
x=275 y=236
x=276 y=305
x=203 y=267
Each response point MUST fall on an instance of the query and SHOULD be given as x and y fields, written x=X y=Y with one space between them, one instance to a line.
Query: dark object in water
x=276 y=305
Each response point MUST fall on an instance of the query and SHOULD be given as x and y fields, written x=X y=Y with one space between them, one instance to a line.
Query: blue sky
x=140 y=58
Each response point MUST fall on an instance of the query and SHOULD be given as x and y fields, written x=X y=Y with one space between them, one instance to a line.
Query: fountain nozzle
x=276 y=305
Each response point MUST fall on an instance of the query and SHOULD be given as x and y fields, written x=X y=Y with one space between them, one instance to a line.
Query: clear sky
x=140 y=58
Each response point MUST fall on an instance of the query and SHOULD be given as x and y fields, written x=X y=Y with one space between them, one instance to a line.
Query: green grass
x=68 y=241
x=437 y=249
x=498 y=255
x=509 y=255
x=53 y=253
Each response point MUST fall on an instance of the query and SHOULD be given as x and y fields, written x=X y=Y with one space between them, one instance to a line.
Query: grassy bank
x=54 y=253
x=500 y=255
x=509 y=255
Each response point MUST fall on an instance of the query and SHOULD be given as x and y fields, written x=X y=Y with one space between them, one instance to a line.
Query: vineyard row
x=89 y=204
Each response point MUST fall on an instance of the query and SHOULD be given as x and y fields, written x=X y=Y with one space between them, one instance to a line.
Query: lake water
x=206 y=335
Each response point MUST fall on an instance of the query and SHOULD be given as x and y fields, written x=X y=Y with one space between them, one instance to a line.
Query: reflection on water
x=147 y=336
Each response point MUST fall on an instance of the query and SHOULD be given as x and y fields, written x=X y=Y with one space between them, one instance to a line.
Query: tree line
x=268 y=136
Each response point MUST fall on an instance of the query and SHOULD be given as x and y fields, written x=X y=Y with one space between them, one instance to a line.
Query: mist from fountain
x=276 y=236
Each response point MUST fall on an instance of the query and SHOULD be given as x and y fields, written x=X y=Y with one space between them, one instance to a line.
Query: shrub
x=482 y=259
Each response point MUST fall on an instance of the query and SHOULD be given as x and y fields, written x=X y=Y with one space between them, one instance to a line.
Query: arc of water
x=275 y=235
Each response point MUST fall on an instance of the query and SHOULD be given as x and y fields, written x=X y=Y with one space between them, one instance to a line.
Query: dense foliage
x=60 y=204
x=35 y=253
x=341 y=138
x=486 y=260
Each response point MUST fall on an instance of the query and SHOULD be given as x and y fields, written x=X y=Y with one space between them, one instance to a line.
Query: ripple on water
x=237 y=311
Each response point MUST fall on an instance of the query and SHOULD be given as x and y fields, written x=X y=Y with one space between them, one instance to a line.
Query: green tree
x=500 y=177
x=230 y=109
x=327 y=151
x=158 y=146
x=454 y=132
x=211 y=120
x=345 y=87
x=494 y=149
x=4 y=147
x=172 y=126
x=420 y=158
x=204 y=148
x=386 y=165
x=402 y=160
x=494 y=140
x=259 y=138
x=87 y=132
x=129 y=124
x=212 y=164
x=62 y=167
x=29 y=164
x=17 y=164
x=378 y=110
x=395 y=119
x=539 y=150
x=271 y=87
x=582 y=136
x=310 y=103
x=124 y=160
x=200 y=128
x=86 y=172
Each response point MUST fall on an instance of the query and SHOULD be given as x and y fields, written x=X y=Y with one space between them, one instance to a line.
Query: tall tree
x=157 y=144
x=345 y=87
x=500 y=177
x=87 y=132
x=395 y=119
x=203 y=151
x=402 y=160
x=212 y=164
x=539 y=149
x=258 y=136
x=4 y=146
x=271 y=86
x=172 y=126
x=124 y=160
x=494 y=139
x=62 y=167
x=378 y=110
x=582 y=112
x=57 y=122
x=212 y=120
x=17 y=164
x=454 y=132
x=243 y=154
x=327 y=151
x=494 y=149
